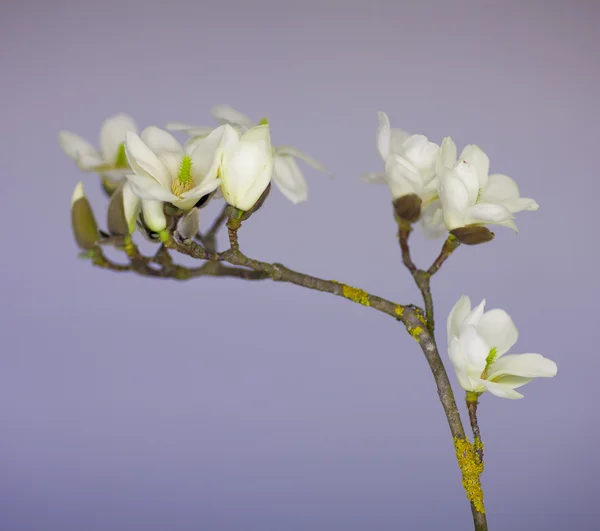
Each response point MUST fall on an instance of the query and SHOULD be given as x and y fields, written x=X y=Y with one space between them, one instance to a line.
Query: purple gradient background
x=133 y=404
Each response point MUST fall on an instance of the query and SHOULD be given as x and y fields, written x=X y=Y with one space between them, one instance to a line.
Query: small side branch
x=448 y=248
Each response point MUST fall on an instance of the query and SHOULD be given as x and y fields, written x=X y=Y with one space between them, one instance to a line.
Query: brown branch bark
x=427 y=342
x=245 y=267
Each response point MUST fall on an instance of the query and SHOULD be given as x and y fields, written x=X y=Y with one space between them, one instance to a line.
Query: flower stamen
x=183 y=182
x=491 y=358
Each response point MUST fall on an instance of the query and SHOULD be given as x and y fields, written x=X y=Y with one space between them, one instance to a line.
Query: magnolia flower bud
x=472 y=234
x=189 y=225
x=246 y=166
x=115 y=215
x=85 y=228
x=408 y=207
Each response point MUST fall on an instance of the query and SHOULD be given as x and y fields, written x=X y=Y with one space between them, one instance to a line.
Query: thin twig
x=472 y=403
x=448 y=248
x=420 y=277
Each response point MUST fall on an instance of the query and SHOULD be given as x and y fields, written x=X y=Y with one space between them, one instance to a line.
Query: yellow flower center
x=183 y=182
x=491 y=358
x=263 y=121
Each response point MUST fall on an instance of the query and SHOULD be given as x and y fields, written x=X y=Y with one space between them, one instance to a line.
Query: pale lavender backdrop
x=133 y=404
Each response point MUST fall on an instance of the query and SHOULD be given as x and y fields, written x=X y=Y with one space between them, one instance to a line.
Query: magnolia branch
x=422 y=277
x=161 y=265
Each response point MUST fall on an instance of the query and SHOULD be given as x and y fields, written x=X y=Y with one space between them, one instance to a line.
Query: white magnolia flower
x=165 y=172
x=477 y=346
x=410 y=164
x=287 y=176
x=470 y=196
x=111 y=160
x=246 y=165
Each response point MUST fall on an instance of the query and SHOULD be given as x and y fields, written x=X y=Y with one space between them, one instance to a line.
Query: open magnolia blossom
x=246 y=165
x=165 y=172
x=410 y=164
x=472 y=197
x=287 y=176
x=477 y=345
x=111 y=160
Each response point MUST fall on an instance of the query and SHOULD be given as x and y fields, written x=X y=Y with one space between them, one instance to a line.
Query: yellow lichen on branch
x=471 y=468
x=415 y=332
x=356 y=295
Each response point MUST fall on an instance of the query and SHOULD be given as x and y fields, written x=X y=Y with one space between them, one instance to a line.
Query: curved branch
x=411 y=316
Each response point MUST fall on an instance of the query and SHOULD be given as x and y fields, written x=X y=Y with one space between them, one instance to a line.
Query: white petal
x=498 y=330
x=374 y=178
x=205 y=154
x=259 y=135
x=230 y=142
x=289 y=179
x=457 y=315
x=474 y=156
x=402 y=177
x=191 y=197
x=447 y=156
x=131 y=205
x=467 y=173
x=489 y=213
x=500 y=390
x=247 y=171
x=144 y=162
x=171 y=160
x=148 y=188
x=475 y=348
x=523 y=365
x=509 y=224
x=192 y=130
x=383 y=136
x=79 y=149
x=229 y=115
x=521 y=203
x=398 y=137
x=295 y=152
x=432 y=221
x=112 y=135
x=192 y=142
x=475 y=315
x=78 y=192
x=159 y=140
x=154 y=216
x=454 y=199
x=422 y=153
x=503 y=190
x=461 y=364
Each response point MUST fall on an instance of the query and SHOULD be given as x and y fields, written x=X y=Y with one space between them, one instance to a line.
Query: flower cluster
x=429 y=182
x=234 y=160
x=150 y=175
